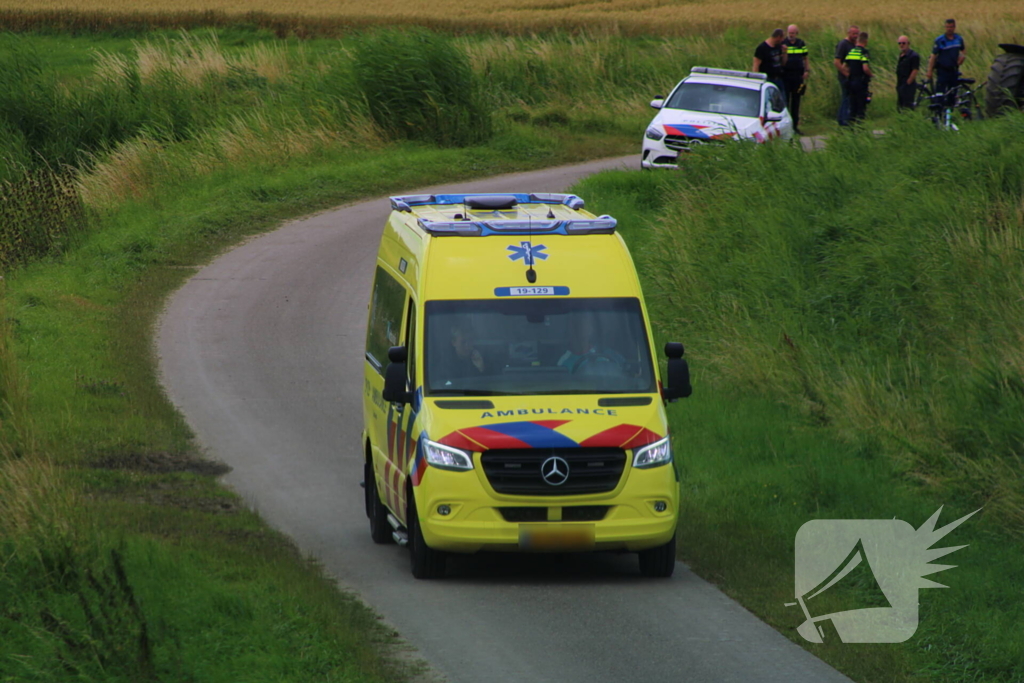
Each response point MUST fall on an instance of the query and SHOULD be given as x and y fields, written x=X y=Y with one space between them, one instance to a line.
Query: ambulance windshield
x=536 y=346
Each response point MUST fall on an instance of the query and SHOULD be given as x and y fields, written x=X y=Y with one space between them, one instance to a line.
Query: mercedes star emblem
x=555 y=471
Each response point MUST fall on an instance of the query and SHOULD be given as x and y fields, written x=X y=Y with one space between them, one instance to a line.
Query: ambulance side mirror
x=394 y=377
x=678 y=384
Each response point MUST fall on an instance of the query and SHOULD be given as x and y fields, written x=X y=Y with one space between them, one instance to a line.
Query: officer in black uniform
x=795 y=72
x=858 y=73
x=907 y=67
x=770 y=59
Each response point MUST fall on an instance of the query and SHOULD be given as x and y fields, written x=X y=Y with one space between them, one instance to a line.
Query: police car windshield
x=716 y=99
x=536 y=346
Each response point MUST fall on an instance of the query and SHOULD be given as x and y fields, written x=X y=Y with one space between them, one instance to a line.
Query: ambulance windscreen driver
x=466 y=360
x=586 y=354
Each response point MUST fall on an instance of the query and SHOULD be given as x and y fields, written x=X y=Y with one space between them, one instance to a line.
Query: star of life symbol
x=882 y=560
x=528 y=252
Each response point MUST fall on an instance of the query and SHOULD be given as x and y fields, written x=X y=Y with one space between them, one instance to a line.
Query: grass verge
x=121 y=558
x=871 y=269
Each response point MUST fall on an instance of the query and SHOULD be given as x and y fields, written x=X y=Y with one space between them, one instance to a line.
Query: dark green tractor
x=1005 y=86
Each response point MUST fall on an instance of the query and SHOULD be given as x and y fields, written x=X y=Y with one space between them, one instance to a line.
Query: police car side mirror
x=658 y=102
x=678 y=385
x=394 y=377
x=773 y=117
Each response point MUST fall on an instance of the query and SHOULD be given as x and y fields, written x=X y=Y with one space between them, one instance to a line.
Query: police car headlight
x=654 y=134
x=653 y=455
x=445 y=457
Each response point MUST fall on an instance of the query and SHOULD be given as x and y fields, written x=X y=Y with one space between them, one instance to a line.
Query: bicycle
x=958 y=103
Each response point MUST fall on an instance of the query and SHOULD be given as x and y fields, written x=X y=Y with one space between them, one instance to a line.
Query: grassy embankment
x=856 y=344
x=213 y=143
x=120 y=557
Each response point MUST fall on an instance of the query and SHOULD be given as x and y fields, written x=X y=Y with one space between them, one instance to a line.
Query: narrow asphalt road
x=262 y=351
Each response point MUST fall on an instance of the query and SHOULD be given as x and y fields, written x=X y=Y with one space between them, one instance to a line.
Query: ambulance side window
x=385 y=325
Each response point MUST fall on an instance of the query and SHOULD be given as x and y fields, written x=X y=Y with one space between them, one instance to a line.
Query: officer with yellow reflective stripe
x=857 y=69
x=795 y=72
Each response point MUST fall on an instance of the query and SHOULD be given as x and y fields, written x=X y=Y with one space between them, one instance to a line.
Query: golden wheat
x=630 y=17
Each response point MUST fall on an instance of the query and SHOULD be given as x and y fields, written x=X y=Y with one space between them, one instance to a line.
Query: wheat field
x=623 y=17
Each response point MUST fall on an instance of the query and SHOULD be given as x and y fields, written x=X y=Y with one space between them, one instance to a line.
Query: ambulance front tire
x=380 y=529
x=660 y=562
x=427 y=563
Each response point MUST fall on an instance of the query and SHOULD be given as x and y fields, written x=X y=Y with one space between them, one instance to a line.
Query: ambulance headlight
x=445 y=457
x=654 y=134
x=653 y=455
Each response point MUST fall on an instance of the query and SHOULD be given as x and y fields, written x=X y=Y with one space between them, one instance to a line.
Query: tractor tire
x=1005 y=86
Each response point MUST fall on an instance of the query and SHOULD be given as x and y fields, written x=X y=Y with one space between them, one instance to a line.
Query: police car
x=711 y=106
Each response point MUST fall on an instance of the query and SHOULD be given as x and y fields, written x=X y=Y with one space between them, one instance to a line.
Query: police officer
x=947 y=55
x=907 y=67
x=858 y=77
x=795 y=72
x=843 y=49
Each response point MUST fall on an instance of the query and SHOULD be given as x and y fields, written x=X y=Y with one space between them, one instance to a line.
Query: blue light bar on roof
x=572 y=201
x=603 y=225
x=404 y=203
x=465 y=228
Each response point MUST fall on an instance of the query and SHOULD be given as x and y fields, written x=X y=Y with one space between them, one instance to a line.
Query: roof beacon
x=728 y=72
x=560 y=217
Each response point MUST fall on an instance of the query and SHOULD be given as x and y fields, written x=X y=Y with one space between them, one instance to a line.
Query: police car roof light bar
x=711 y=71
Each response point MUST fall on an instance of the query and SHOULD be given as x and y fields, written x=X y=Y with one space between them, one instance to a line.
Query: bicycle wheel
x=977 y=111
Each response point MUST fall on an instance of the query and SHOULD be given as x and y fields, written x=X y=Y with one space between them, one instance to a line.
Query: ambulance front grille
x=518 y=471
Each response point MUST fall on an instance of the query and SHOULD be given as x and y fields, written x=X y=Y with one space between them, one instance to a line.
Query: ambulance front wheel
x=660 y=562
x=380 y=529
x=427 y=563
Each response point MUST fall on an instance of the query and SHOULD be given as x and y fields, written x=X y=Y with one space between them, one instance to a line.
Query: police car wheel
x=660 y=562
x=380 y=529
x=427 y=563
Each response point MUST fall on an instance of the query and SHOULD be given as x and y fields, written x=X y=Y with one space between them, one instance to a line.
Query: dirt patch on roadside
x=162 y=462
x=180 y=497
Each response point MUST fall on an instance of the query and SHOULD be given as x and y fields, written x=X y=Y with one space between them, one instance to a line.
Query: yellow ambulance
x=512 y=399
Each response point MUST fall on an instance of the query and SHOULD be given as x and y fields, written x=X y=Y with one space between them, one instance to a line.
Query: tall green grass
x=385 y=85
x=40 y=213
x=876 y=286
x=419 y=86
x=853 y=321
x=98 y=470
x=120 y=558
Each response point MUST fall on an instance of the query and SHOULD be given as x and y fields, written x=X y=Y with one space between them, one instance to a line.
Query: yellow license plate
x=556 y=536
